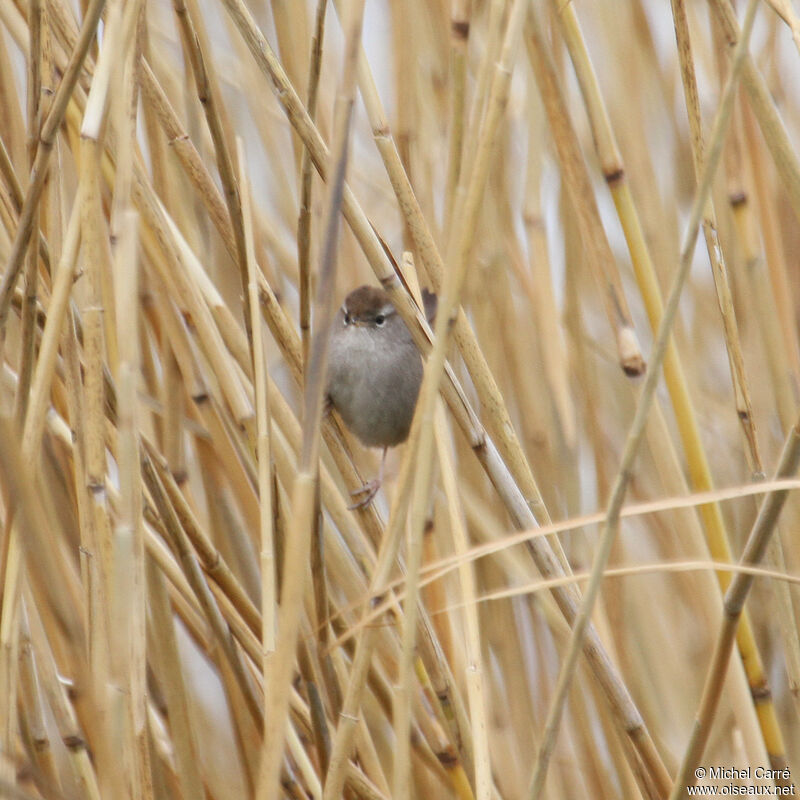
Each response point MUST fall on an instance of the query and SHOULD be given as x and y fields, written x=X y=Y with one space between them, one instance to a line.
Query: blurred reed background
x=186 y=611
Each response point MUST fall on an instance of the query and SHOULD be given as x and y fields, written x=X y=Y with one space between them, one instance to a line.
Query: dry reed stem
x=32 y=256
x=744 y=404
x=475 y=668
x=775 y=344
x=771 y=124
x=368 y=641
x=263 y=428
x=593 y=237
x=611 y=526
x=735 y=598
x=614 y=172
x=775 y=258
x=466 y=209
x=459 y=41
x=199 y=587
x=163 y=648
x=673 y=370
x=750 y=654
x=305 y=495
x=39 y=170
x=195 y=41
x=491 y=51
x=128 y=638
x=497 y=546
x=31 y=698
x=304 y=245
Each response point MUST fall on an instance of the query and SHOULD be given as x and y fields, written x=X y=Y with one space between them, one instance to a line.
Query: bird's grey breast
x=375 y=374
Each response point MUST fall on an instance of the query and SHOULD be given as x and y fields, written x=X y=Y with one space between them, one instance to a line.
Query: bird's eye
x=380 y=319
x=347 y=318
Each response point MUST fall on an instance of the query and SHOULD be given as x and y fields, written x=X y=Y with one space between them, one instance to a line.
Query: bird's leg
x=370 y=488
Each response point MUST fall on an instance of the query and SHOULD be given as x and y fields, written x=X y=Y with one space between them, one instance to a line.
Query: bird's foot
x=368 y=490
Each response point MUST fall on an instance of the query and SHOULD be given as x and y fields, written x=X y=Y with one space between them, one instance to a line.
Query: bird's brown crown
x=365 y=299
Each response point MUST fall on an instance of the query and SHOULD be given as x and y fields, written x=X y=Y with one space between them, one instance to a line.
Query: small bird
x=375 y=371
